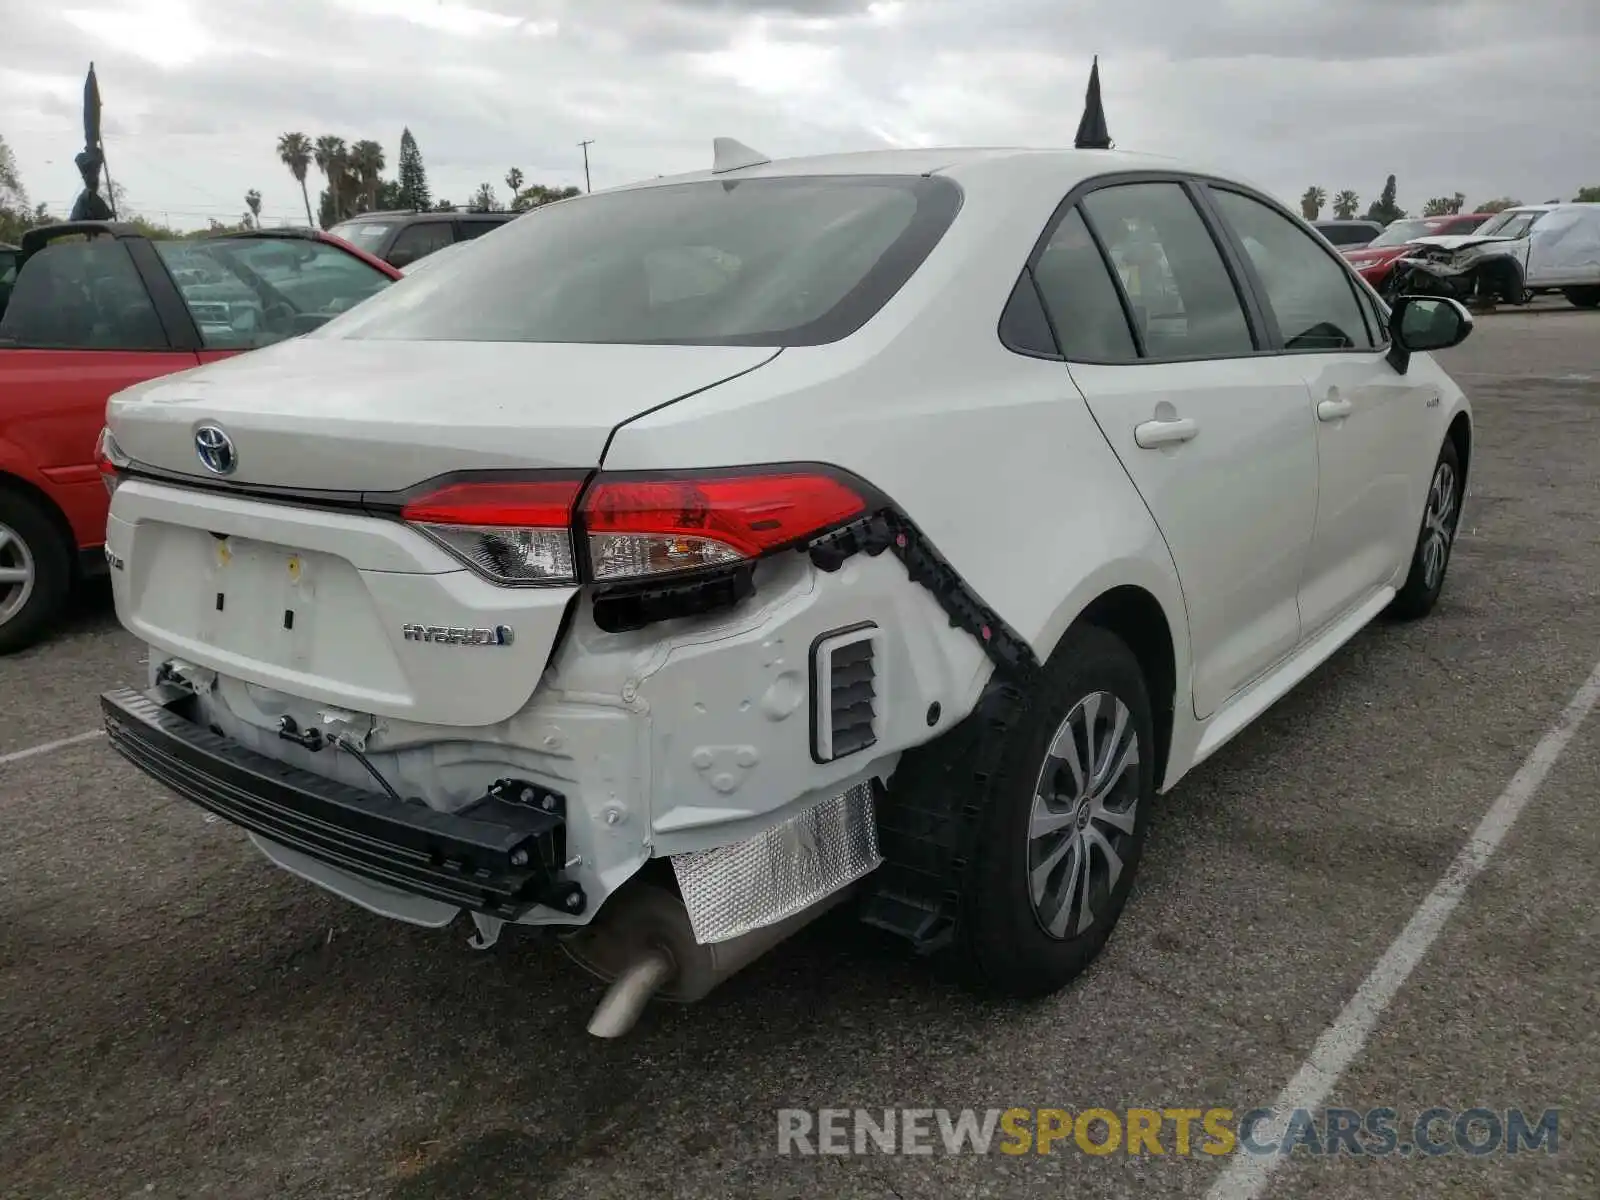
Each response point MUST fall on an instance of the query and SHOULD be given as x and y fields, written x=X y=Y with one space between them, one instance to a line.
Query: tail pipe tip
x=620 y=1008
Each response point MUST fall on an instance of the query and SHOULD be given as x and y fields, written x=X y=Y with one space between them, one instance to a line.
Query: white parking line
x=1246 y=1177
x=45 y=748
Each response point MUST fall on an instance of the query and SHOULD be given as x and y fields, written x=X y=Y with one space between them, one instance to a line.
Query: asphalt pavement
x=180 y=1019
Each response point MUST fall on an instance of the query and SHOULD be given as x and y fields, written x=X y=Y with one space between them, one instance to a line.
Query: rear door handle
x=1152 y=435
x=1334 y=410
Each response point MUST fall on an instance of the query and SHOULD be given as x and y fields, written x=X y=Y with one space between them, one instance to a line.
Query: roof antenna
x=729 y=155
x=1092 y=131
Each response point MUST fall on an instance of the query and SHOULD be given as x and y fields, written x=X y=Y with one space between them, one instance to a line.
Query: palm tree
x=1346 y=204
x=294 y=151
x=332 y=160
x=252 y=200
x=514 y=178
x=1312 y=201
x=366 y=164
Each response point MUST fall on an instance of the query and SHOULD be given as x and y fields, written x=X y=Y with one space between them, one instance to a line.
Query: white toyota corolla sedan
x=674 y=566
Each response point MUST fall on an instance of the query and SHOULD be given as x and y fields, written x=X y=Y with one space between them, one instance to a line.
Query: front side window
x=1183 y=299
x=1308 y=290
x=81 y=295
x=1080 y=296
x=249 y=292
x=764 y=262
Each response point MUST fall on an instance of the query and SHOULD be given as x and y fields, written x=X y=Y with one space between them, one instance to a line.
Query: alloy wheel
x=1085 y=805
x=17 y=573
x=1438 y=525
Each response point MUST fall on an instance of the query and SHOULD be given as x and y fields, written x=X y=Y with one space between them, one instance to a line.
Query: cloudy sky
x=1487 y=97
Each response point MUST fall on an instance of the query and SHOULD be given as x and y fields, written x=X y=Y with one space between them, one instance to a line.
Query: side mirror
x=1422 y=323
x=402 y=258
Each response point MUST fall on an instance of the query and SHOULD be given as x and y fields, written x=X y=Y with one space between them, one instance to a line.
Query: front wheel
x=1063 y=823
x=1582 y=297
x=1436 y=539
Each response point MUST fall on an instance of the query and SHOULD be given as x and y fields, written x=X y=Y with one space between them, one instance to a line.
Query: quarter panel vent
x=847 y=693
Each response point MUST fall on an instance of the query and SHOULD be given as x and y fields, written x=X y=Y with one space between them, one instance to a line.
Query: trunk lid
x=347 y=415
x=345 y=607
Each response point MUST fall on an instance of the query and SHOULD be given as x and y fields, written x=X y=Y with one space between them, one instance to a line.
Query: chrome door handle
x=1152 y=435
x=1334 y=410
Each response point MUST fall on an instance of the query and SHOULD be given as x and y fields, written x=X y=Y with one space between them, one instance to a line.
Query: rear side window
x=466 y=230
x=1080 y=296
x=420 y=240
x=82 y=295
x=764 y=262
x=1309 y=291
x=246 y=293
x=1184 y=302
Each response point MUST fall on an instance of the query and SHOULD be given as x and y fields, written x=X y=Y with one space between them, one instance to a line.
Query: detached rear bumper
x=495 y=856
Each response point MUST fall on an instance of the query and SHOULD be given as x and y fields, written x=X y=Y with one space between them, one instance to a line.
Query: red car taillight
x=109 y=460
x=652 y=526
x=630 y=527
x=511 y=532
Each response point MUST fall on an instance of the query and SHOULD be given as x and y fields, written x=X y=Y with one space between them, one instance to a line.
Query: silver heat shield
x=731 y=890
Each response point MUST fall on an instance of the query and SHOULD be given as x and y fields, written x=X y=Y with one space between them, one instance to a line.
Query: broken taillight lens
x=653 y=525
x=109 y=460
x=529 y=531
x=511 y=532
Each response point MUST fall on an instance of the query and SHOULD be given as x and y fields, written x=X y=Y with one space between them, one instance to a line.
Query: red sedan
x=96 y=307
x=1376 y=259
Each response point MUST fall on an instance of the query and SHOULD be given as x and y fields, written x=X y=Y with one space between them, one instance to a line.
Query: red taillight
x=647 y=526
x=520 y=531
x=109 y=460
x=512 y=532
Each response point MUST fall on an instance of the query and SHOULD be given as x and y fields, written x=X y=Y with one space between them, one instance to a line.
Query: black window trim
x=1258 y=285
x=1190 y=183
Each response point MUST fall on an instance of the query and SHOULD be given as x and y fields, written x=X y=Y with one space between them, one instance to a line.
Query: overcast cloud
x=1487 y=97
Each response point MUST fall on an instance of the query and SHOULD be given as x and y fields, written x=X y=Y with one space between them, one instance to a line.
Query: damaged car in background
x=1521 y=253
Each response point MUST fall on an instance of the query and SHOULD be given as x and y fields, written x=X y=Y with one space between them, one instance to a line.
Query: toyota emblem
x=215 y=449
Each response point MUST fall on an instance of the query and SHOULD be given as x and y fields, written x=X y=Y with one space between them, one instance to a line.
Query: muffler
x=643 y=943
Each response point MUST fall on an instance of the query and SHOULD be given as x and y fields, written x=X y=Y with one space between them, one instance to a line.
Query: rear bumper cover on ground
x=496 y=856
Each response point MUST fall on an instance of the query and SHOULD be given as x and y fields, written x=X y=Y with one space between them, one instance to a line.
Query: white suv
x=670 y=567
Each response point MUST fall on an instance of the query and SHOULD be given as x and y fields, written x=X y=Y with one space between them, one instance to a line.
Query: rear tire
x=35 y=572
x=1431 y=559
x=1582 y=297
x=1063 y=823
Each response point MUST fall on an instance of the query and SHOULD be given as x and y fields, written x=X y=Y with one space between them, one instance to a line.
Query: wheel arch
x=30 y=491
x=1460 y=435
x=1136 y=617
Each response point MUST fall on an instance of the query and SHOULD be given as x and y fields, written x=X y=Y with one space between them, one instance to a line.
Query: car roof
x=959 y=162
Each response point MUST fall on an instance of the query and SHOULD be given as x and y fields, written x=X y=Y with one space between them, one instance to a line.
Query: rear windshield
x=1346 y=235
x=1400 y=232
x=764 y=262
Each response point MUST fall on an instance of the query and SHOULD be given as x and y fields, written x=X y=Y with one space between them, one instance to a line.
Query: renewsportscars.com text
x=1181 y=1132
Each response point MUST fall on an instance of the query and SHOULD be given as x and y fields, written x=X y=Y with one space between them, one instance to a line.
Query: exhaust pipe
x=642 y=942
x=622 y=1005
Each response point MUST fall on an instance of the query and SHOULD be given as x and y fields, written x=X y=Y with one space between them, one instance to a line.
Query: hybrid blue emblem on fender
x=460 y=635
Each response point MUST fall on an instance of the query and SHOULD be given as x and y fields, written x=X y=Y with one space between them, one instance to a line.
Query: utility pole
x=586 y=144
